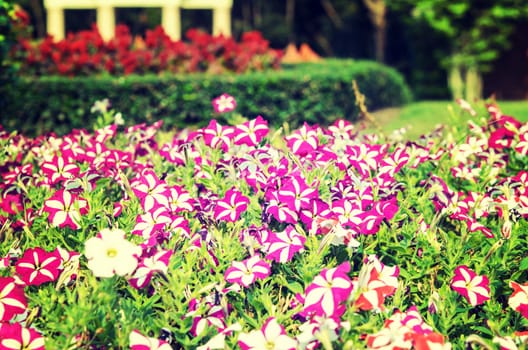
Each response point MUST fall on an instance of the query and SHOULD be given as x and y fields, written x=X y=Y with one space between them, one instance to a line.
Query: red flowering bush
x=86 y=53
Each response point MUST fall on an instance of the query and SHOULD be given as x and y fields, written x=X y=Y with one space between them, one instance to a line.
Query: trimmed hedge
x=315 y=93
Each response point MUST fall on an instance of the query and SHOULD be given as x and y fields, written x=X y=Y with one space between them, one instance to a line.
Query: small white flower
x=109 y=253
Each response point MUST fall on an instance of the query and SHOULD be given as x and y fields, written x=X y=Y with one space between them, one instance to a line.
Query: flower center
x=111 y=252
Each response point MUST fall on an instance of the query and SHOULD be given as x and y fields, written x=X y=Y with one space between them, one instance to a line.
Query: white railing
x=170 y=14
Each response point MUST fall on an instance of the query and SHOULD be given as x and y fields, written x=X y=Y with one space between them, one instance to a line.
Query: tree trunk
x=290 y=20
x=465 y=82
x=377 y=14
x=40 y=21
x=473 y=85
x=455 y=81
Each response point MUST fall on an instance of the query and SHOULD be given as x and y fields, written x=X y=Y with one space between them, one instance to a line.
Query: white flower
x=109 y=253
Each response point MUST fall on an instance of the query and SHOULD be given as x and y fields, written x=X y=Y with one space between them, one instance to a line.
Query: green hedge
x=315 y=93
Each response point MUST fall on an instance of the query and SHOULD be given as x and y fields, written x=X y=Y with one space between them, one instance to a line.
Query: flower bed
x=235 y=236
x=86 y=53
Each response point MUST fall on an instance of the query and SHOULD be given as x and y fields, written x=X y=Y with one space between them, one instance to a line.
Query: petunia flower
x=216 y=135
x=157 y=263
x=224 y=103
x=231 y=206
x=12 y=299
x=13 y=336
x=140 y=342
x=252 y=132
x=473 y=287
x=519 y=298
x=283 y=245
x=59 y=169
x=272 y=336
x=65 y=209
x=376 y=281
x=328 y=292
x=109 y=253
x=247 y=271
x=37 y=266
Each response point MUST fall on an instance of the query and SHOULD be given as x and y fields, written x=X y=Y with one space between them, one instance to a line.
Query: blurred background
x=412 y=36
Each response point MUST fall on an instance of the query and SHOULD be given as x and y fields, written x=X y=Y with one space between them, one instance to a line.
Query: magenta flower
x=224 y=103
x=139 y=342
x=65 y=209
x=281 y=211
x=231 y=206
x=216 y=135
x=246 y=272
x=272 y=336
x=327 y=294
x=519 y=298
x=471 y=286
x=59 y=169
x=152 y=221
x=14 y=337
x=296 y=193
x=283 y=245
x=12 y=299
x=147 y=267
x=37 y=266
x=303 y=141
x=251 y=132
x=150 y=189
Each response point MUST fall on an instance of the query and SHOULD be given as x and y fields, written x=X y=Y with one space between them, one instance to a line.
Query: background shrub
x=311 y=92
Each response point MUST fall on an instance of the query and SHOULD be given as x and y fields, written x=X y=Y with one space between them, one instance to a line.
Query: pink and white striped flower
x=272 y=336
x=65 y=209
x=147 y=267
x=326 y=296
x=252 y=132
x=15 y=337
x=140 y=342
x=283 y=245
x=246 y=272
x=473 y=287
x=224 y=103
x=37 y=266
x=59 y=169
x=12 y=299
x=216 y=135
x=231 y=206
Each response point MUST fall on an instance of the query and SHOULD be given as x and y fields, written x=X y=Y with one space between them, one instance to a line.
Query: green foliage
x=7 y=38
x=478 y=30
x=315 y=92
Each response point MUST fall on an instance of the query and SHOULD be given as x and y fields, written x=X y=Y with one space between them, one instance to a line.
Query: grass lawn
x=421 y=117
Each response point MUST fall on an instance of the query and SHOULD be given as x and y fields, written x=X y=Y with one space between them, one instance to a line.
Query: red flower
x=519 y=298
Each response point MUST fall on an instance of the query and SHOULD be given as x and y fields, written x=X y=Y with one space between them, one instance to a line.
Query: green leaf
x=524 y=264
x=458 y=9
